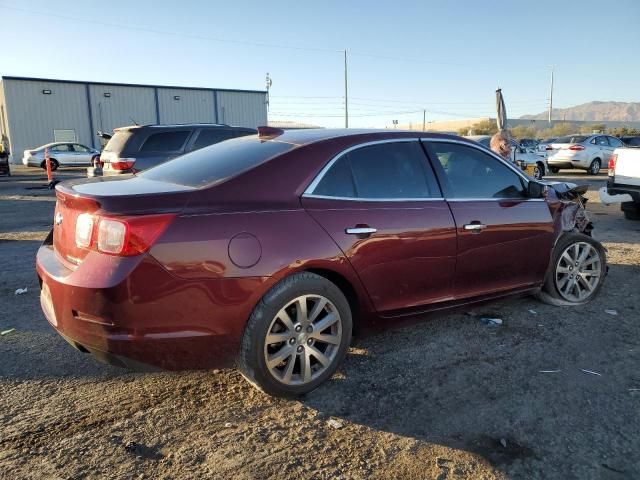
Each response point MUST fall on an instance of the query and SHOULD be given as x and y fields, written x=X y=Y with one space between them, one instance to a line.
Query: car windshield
x=571 y=139
x=216 y=163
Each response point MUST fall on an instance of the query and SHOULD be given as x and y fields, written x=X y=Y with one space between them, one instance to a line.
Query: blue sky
x=404 y=56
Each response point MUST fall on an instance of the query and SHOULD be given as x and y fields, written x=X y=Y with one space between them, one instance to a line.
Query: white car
x=624 y=181
x=65 y=154
x=519 y=155
x=586 y=152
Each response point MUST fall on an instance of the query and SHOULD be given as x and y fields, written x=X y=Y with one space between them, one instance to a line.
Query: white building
x=36 y=111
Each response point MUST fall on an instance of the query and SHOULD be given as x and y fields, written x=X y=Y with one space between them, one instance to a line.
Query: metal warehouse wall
x=191 y=106
x=86 y=107
x=32 y=115
x=4 y=124
x=245 y=109
x=126 y=105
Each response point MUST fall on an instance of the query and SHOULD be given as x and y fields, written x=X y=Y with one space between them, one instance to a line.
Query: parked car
x=61 y=154
x=586 y=152
x=544 y=144
x=624 y=178
x=631 y=141
x=531 y=144
x=266 y=251
x=530 y=162
x=136 y=148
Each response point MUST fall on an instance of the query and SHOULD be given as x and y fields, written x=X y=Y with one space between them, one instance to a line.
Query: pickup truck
x=624 y=180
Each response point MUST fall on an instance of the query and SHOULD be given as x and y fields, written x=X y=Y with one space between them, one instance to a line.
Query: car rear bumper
x=619 y=189
x=143 y=317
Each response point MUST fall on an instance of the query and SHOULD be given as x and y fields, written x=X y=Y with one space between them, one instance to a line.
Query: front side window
x=472 y=173
x=384 y=171
x=80 y=148
x=615 y=142
x=165 y=141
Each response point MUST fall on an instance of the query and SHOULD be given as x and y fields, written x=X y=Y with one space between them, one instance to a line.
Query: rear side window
x=216 y=163
x=211 y=136
x=384 y=171
x=118 y=141
x=632 y=141
x=165 y=141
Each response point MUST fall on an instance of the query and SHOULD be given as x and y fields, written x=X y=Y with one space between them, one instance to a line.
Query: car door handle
x=361 y=230
x=475 y=227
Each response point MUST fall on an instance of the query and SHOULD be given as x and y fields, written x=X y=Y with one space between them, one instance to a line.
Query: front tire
x=594 y=168
x=296 y=336
x=578 y=268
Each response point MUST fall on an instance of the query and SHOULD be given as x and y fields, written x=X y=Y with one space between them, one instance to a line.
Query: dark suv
x=136 y=148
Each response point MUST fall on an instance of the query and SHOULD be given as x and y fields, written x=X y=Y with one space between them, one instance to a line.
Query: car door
x=381 y=204
x=63 y=153
x=82 y=155
x=504 y=238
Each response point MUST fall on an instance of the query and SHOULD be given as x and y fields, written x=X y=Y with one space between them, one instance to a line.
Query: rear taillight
x=123 y=163
x=611 y=167
x=576 y=147
x=84 y=230
x=123 y=236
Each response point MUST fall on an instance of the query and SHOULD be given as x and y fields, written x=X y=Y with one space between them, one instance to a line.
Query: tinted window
x=632 y=141
x=211 y=136
x=571 y=139
x=614 y=142
x=388 y=170
x=165 y=141
x=216 y=163
x=338 y=181
x=471 y=173
x=118 y=141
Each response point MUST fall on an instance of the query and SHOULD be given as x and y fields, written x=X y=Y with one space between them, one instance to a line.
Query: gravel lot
x=447 y=398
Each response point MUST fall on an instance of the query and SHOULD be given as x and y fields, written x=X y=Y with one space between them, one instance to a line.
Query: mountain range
x=594 y=111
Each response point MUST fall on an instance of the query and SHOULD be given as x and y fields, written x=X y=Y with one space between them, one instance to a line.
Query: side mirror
x=535 y=189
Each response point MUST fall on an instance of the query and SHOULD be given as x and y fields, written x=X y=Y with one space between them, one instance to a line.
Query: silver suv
x=586 y=152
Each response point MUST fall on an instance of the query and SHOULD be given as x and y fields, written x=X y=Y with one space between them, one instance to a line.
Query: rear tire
x=296 y=336
x=554 y=169
x=577 y=271
x=631 y=210
x=538 y=171
x=594 y=168
x=54 y=164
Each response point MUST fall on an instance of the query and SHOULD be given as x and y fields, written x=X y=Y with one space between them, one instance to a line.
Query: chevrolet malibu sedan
x=65 y=154
x=267 y=251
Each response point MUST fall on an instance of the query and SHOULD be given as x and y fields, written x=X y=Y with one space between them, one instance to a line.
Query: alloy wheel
x=595 y=167
x=578 y=271
x=303 y=340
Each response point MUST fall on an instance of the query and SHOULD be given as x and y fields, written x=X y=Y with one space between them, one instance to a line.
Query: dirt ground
x=445 y=399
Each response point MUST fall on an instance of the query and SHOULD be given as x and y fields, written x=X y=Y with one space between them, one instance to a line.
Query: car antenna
x=134 y=122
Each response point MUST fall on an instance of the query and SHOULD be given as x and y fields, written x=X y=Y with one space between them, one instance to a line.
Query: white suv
x=586 y=152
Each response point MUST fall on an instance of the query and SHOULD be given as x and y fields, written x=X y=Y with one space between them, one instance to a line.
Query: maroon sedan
x=266 y=251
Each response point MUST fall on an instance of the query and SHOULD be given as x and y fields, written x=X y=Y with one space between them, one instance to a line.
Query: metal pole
x=551 y=96
x=424 y=118
x=346 y=96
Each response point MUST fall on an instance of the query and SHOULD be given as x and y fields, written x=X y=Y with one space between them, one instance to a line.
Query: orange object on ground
x=48 y=164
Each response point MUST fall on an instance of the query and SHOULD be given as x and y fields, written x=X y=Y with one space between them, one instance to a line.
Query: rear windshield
x=118 y=141
x=216 y=163
x=571 y=139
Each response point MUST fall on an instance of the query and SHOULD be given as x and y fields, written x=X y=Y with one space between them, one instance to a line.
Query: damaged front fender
x=566 y=202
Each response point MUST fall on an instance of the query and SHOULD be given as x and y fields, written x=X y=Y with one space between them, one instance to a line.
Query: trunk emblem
x=58 y=219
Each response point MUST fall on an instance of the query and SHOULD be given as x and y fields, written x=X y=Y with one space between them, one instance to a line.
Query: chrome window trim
x=308 y=193
x=366 y=199
x=312 y=186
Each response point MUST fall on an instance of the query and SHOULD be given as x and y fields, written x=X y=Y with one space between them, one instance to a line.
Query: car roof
x=53 y=144
x=313 y=135
x=180 y=125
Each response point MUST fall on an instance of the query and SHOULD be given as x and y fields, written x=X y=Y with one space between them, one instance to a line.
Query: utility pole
x=268 y=83
x=424 y=118
x=346 y=96
x=551 y=96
